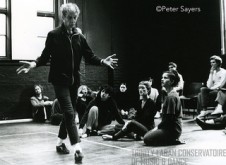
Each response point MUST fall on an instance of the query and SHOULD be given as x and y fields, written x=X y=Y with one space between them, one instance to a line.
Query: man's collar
x=74 y=30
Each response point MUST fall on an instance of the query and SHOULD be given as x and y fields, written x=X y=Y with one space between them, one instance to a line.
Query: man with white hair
x=66 y=46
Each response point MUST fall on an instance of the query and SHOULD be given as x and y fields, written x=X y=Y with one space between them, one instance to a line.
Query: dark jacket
x=146 y=114
x=107 y=111
x=81 y=106
x=65 y=53
x=122 y=100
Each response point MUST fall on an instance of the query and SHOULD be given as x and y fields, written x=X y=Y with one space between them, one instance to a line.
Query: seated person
x=100 y=112
x=41 y=106
x=83 y=100
x=216 y=80
x=144 y=119
x=179 y=88
x=154 y=95
x=217 y=119
x=154 y=92
x=170 y=128
x=122 y=100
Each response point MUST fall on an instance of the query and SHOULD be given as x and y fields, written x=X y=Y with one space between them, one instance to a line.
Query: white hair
x=66 y=8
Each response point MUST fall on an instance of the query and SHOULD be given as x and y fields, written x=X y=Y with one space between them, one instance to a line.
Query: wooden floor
x=34 y=144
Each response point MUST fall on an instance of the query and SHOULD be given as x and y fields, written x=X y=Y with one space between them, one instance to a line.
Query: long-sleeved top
x=217 y=79
x=145 y=115
x=38 y=103
x=65 y=53
x=38 y=107
x=172 y=113
x=81 y=106
x=122 y=100
x=180 y=85
x=154 y=94
x=107 y=111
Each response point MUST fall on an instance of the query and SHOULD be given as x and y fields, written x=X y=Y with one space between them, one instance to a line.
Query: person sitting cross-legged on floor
x=144 y=118
x=100 y=112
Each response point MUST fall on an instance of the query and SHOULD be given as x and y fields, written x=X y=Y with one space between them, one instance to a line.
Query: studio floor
x=34 y=144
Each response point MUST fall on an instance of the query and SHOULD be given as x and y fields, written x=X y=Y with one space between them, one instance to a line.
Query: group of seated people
x=142 y=125
x=96 y=111
x=43 y=109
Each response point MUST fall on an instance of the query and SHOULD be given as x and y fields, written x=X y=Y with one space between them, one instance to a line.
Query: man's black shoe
x=78 y=156
x=62 y=149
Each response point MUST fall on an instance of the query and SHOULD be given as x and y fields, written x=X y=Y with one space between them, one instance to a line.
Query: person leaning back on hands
x=66 y=46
